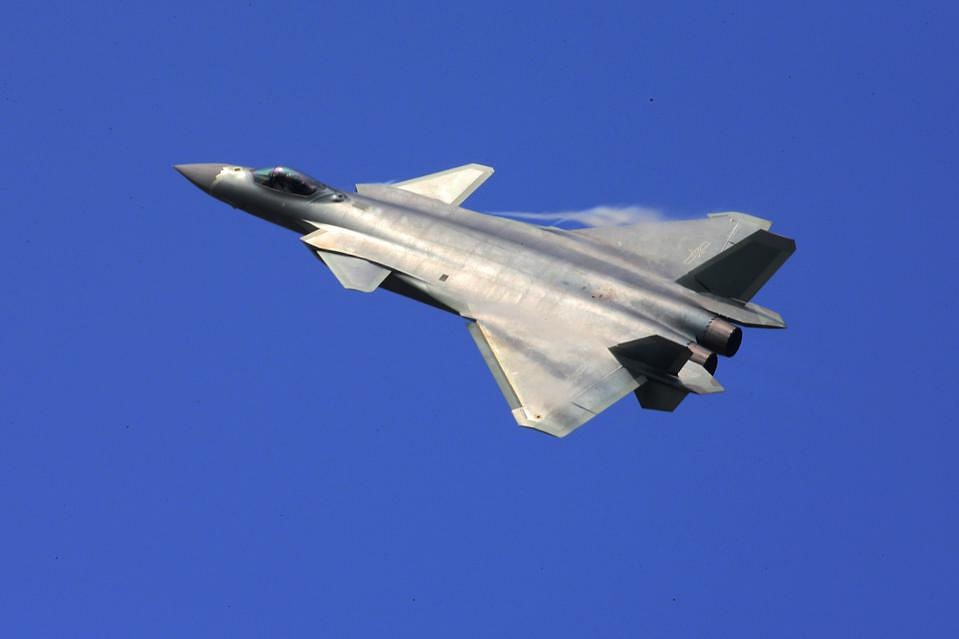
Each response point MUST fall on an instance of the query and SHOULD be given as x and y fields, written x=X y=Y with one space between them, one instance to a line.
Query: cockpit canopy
x=281 y=178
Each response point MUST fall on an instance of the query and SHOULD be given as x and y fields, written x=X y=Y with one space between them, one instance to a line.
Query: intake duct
x=704 y=357
x=722 y=337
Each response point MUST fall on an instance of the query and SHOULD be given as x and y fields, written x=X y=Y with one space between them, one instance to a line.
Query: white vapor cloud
x=597 y=216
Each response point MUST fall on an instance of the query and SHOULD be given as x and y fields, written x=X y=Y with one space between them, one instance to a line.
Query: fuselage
x=568 y=322
x=472 y=263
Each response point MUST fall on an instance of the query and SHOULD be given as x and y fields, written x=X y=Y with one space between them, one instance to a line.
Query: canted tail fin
x=676 y=247
x=726 y=257
x=742 y=269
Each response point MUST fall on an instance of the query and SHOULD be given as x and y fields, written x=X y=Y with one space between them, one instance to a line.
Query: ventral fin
x=655 y=395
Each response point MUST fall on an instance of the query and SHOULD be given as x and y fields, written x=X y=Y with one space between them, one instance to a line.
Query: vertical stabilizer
x=742 y=269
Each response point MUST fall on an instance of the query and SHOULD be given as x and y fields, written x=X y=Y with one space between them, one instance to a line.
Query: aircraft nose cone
x=200 y=174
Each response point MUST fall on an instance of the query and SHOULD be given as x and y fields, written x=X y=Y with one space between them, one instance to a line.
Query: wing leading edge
x=556 y=380
x=554 y=386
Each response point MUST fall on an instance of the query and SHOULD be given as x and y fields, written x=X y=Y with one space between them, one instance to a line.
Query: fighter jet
x=568 y=321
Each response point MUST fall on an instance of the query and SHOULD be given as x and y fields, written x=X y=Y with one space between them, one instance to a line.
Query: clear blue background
x=202 y=434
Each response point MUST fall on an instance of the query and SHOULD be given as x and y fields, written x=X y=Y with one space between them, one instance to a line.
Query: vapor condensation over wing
x=596 y=216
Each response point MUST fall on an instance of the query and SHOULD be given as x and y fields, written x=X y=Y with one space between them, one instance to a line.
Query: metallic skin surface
x=568 y=321
x=704 y=357
x=201 y=175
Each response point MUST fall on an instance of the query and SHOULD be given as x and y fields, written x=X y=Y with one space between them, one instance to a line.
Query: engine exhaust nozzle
x=704 y=357
x=722 y=337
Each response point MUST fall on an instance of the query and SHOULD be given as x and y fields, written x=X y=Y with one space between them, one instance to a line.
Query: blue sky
x=203 y=434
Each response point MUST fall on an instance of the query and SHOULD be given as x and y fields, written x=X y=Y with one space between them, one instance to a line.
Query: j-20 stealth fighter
x=568 y=321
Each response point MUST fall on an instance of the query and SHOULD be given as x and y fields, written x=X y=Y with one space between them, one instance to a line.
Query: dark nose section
x=200 y=174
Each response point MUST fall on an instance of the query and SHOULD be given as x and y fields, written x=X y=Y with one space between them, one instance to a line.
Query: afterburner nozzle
x=722 y=337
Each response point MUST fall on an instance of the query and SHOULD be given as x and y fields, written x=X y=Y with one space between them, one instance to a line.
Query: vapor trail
x=597 y=216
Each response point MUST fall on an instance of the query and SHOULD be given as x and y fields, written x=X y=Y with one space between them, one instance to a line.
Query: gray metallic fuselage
x=469 y=262
x=568 y=322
